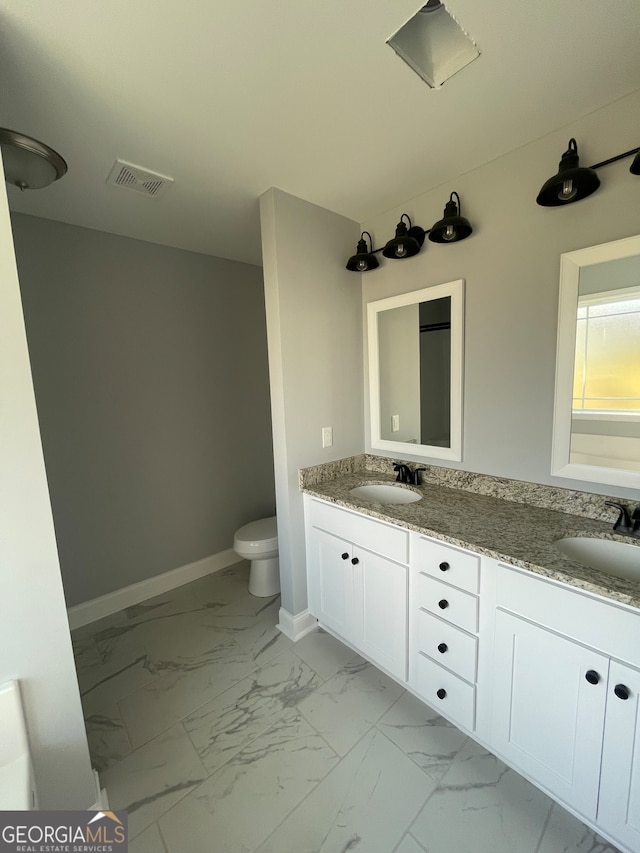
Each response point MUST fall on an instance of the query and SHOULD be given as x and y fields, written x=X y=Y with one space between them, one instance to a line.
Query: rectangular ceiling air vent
x=138 y=179
x=434 y=44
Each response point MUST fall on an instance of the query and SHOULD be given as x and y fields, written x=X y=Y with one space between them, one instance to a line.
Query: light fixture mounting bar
x=616 y=158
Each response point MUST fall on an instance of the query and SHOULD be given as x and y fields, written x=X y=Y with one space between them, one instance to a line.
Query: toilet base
x=264 y=577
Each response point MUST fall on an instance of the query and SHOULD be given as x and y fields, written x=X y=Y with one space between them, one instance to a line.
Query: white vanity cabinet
x=565 y=698
x=546 y=676
x=358 y=581
x=444 y=622
x=619 y=802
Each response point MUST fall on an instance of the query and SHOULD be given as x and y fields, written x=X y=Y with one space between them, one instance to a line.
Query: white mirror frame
x=455 y=290
x=570 y=265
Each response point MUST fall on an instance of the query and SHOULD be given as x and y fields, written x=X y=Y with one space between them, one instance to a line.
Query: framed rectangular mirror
x=596 y=425
x=415 y=372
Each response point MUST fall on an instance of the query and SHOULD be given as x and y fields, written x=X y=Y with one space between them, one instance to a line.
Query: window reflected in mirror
x=605 y=425
x=597 y=409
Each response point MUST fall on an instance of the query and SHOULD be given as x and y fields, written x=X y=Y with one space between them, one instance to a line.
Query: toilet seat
x=258 y=537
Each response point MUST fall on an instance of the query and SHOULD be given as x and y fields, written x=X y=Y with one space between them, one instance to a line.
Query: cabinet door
x=619 y=804
x=380 y=588
x=331 y=583
x=548 y=718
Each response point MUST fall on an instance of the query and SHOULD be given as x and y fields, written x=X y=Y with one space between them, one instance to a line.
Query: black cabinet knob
x=621 y=691
x=444 y=567
x=441 y=693
x=443 y=604
x=592 y=676
x=442 y=648
x=345 y=556
x=355 y=561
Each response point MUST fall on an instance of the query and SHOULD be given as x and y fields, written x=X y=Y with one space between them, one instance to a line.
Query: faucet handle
x=623 y=522
x=400 y=469
x=417 y=479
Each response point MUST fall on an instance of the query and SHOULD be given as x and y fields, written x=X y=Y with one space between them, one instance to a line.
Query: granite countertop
x=520 y=534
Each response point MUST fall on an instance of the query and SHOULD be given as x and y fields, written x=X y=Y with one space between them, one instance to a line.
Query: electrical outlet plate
x=395 y=423
x=327 y=436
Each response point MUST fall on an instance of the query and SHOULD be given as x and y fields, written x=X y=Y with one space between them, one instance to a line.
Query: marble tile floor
x=220 y=735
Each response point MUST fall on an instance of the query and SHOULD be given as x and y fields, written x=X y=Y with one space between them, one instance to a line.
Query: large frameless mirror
x=596 y=433
x=415 y=372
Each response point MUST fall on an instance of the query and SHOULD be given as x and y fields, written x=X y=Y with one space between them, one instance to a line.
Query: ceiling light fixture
x=574 y=182
x=453 y=226
x=29 y=164
x=433 y=44
x=407 y=242
x=364 y=259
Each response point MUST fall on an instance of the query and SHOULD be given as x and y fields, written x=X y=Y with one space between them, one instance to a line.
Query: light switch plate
x=395 y=423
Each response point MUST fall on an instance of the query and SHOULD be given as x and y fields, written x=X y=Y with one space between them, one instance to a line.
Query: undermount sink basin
x=619 y=559
x=385 y=493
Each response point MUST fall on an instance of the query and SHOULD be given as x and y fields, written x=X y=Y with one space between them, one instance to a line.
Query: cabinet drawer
x=604 y=625
x=457 y=698
x=452 y=565
x=383 y=539
x=448 y=603
x=447 y=645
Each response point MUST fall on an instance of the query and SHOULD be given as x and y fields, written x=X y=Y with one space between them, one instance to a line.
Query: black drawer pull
x=443 y=604
x=621 y=691
x=442 y=648
x=444 y=567
x=355 y=561
x=345 y=556
x=441 y=693
x=592 y=676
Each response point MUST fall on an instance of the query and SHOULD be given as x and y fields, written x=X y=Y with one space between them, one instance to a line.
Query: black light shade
x=452 y=227
x=407 y=242
x=572 y=182
x=634 y=168
x=364 y=259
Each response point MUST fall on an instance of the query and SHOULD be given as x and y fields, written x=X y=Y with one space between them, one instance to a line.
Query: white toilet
x=258 y=542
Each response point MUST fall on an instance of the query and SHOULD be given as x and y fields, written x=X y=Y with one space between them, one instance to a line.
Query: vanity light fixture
x=364 y=259
x=453 y=226
x=407 y=242
x=573 y=181
x=410 y=238
x=29 y=164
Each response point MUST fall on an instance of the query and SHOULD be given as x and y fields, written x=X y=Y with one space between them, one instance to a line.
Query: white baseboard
x=105 y=605
x=298 y=626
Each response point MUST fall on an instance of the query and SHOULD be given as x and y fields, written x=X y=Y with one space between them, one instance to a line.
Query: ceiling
x=231 y=98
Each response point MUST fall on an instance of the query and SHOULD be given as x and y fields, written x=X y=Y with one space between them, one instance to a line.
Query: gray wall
x=511 y=265
x=34 y=632
x=315 y=357
x=151 y=381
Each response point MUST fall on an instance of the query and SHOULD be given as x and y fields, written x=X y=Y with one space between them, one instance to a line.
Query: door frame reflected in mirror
x=455 y=291
x=571 y=264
